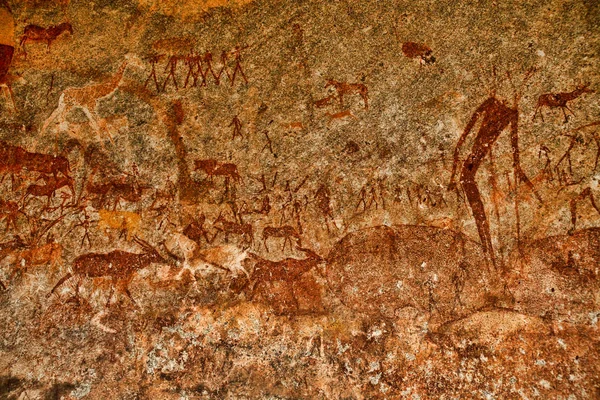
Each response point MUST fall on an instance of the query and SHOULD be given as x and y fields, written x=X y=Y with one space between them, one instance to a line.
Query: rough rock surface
x=309 y=199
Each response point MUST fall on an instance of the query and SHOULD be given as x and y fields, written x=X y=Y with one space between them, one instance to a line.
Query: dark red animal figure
x=213 y=168
x=287 y=232
x=343 y=88
x=418 y=50
x=560 y=100
x=131 y=192
x=287 y=271
x=228 y=170
x=35 y=33
x=118 y=265
x=228 y=227
x=99 y=192
x=324 y=102
x=49 y=189
x=196 y=230
x=208 y=166
x=14 y=159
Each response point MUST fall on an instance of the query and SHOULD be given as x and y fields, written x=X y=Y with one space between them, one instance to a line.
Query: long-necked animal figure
x=560 y=100
x=35 y=33
x=86 y=98
x=118 y=265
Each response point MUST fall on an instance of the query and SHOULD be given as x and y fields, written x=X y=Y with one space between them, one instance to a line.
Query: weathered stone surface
x=383 y=269
x=259 y=199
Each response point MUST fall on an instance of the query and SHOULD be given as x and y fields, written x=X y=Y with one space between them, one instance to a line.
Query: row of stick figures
x=199 y=67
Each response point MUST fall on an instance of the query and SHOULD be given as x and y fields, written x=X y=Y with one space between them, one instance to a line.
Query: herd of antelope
x=44 y=193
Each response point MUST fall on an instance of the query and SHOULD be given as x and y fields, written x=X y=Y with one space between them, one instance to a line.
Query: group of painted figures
x=494 y=116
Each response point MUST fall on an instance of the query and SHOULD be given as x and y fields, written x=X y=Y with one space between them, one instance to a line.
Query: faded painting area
x=299 y=199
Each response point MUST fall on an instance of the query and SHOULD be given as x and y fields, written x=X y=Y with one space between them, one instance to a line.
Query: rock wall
x=299 y=199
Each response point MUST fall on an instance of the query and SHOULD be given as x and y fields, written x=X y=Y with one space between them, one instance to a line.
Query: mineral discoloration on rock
x=294 y=200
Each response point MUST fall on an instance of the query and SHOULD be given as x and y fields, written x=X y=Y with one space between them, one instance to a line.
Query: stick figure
x=266 y=206
x=237 y=127
x=362 y=199
x=194 y=63
x=373 y=198
x=224 y=61
x=154 y=59
x=269 y=144
x=172 y=67
x=85 y=224
x=207 y=58
x=323 y=203
x=545 y=151
x=237 y=53
x=496 y=116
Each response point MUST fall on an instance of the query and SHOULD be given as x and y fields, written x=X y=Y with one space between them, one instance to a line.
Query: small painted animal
x=14 y=159
x=324 y=102
x=228 y=227
x=287 y=232
x=287 y=270
x=340 y=115
x=560 y=100
x=196 y=230
x=208 y=166
x=117 y=190
x=228 y=170
x=49 y=253
x=343 y=88
x=49 y=189
x=131 y=192
x=35 y=33
x=212 y=168
x=418 y=50
x=125 y=221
